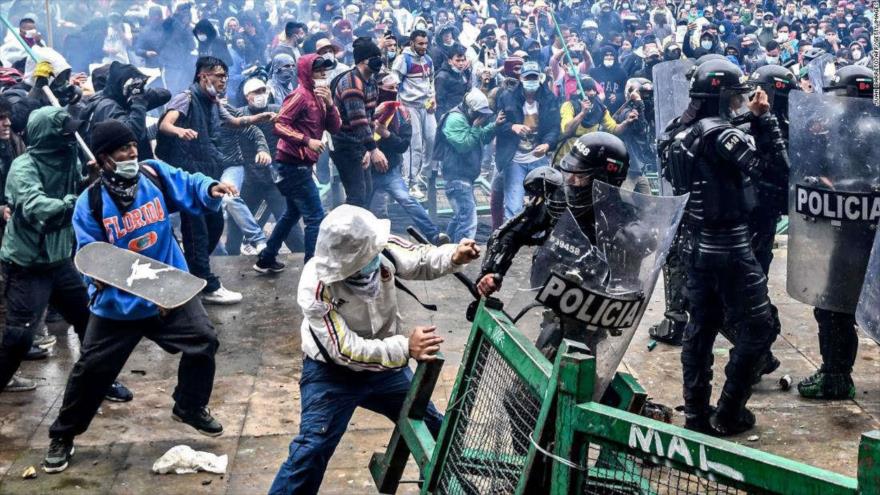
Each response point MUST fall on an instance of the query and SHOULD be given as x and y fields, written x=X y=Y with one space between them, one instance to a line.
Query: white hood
x=349 y=238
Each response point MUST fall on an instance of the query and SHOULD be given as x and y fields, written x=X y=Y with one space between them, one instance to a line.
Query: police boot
x=826 y=385
x=768 y=363
x=668 y=331
x=697 y=410
x=731 y=417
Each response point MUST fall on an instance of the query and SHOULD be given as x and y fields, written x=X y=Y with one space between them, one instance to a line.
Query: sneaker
x=19 y=383
x=201 y=420
x=44 y=340
x=221 y=296
x=441 y=239
x=268 y=266
x=260 y=247
x=248 y=250
x=828 y=386
x=60 y=452
x=416 y=193
x=118 y=393
x=36 y=353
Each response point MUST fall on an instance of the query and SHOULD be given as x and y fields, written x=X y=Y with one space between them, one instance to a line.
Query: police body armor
x=834 y=198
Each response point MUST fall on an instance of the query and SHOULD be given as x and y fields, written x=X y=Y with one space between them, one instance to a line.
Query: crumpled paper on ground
x=182 y=459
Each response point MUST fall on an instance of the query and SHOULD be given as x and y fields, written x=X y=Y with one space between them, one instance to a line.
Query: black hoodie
x=612 y=79
x=214 y=46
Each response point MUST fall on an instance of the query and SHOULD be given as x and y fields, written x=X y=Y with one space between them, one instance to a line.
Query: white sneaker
x=260 y=247
x=221 y=296
x=19 y=383
x=416 y=193
x=248 y=250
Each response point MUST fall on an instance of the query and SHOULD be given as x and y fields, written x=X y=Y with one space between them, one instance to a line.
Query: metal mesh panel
x=498 y=413
x=614 y=470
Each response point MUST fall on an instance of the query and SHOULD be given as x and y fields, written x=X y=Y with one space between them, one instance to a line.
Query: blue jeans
x=303 y=201
x=238 y=210
x=460 y=194
x=329 y=395
x=514 y=192
x=392 y=183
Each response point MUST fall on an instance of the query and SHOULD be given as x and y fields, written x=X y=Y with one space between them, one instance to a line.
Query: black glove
x=156 y=97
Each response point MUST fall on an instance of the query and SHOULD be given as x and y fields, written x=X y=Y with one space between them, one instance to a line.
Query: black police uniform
x=726 y=286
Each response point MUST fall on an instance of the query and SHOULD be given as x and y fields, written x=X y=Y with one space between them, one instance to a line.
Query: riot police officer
x=716 y=163
x=595 y=156
x=838 y=338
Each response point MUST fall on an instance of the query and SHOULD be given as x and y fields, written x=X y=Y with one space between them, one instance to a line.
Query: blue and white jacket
x=144 y=228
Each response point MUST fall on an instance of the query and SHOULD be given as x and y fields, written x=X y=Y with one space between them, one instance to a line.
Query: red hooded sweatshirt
x=303 y=116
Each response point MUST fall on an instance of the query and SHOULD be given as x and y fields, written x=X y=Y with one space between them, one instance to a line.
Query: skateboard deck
x=161 y=284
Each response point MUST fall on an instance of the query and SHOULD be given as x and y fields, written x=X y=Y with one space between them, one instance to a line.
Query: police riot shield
x=868 y=310
x=821 y=71
x=834 y=203
x=671 y=88
x=599 y=291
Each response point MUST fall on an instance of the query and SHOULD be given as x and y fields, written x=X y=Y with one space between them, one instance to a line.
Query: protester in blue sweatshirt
x=129 y=207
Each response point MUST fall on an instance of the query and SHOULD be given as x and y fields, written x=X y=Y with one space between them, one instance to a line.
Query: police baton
x=46 y=91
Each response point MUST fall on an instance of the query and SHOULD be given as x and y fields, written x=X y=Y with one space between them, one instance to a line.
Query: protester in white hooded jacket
x=356 y=348
x=352 y=315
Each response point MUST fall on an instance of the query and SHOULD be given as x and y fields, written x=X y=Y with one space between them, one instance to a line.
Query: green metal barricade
x=518 y=424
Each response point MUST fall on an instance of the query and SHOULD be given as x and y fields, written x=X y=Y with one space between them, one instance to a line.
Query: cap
x=530 y=68
x=477 y=102
x=321 y=63
x=252 y=84
x=324 y=43
x=109 y=135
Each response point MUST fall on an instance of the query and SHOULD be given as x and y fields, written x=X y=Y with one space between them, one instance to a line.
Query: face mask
x=772 y=60
x=531 y=86
x=491 y=63
x=782 y=37
x=608 y=63
x=375 y=64
x=768 y=25
x=491 y=43
x=322 y=83
x=30 y=33
x=642 y=8
x=391 y=54
x=624 y=6
x=126 y=169
x=372 y=266
x=260 y=101
x=285 y=75
x=706 y=44
x=202 y=37
x=857 y=54
x=211 y=90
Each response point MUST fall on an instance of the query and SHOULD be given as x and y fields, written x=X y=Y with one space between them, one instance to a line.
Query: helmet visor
x=733 y=103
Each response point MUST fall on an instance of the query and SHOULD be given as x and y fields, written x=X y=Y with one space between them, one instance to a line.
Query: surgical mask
x=706 y=44
x=772 y=60
x=768 y=25
x=531 y=86
x=857 y=54
x=392 y=54
x=211 y=90
x=322 y=83
x=202 y=37
x=375 y=64
x=127 y=169
x=608 y=63
x=782 y=37
x=372 y=266
x=260 y=101
x=30 y=33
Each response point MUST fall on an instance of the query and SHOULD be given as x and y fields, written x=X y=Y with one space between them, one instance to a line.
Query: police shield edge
x=671 y=96
x=604 y=289
x=868 y=310
x=834 y=203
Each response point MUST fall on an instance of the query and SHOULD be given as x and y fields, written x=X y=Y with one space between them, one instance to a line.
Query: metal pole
x=48 y=92
x=49 y=22
x=568 y=55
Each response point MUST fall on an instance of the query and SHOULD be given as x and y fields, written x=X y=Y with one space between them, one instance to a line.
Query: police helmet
x=853 y=80
x=776 y=81
x=594 y=156
x=546 y=182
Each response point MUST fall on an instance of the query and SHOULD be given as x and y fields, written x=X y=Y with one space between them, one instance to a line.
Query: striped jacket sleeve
x=290 y=110
x=342 y=344
x=421 y=261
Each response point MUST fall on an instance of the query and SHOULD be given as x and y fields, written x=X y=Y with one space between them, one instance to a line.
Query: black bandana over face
x=122 y=190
